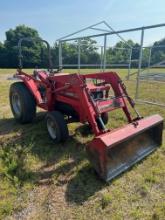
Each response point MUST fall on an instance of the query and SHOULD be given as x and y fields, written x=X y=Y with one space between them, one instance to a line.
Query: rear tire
x=22 y=103
x=57 y=126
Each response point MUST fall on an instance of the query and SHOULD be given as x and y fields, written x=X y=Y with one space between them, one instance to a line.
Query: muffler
x=114 y=152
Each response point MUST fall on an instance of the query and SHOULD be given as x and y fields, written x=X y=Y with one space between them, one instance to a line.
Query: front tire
x=22 y=103
x=57 y=126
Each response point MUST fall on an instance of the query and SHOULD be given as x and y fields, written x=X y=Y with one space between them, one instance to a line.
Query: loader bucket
x=116 y=151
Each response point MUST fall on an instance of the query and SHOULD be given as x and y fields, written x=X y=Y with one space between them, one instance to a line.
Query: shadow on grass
x=8 y=125
x=63 y=164
x=84 y=130
x=83 y=185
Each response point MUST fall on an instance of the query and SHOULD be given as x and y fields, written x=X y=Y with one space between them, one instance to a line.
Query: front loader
x=88 y=98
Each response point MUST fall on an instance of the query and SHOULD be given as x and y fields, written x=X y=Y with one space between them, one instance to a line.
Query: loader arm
x=112 y=152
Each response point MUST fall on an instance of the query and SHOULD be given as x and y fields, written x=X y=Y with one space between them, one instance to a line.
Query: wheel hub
x=16 y=104
x=51 y=126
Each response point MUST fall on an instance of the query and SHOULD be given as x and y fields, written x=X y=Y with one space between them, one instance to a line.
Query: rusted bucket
x=116 y=151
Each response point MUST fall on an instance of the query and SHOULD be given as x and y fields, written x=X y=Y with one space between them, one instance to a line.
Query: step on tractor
x=86 y=98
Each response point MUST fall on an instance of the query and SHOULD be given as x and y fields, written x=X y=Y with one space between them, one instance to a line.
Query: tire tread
x=27 y=101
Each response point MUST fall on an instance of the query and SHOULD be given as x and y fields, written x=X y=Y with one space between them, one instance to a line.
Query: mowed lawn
x=43 y=180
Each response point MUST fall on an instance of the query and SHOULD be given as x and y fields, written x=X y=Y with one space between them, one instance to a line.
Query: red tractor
x=87 y=98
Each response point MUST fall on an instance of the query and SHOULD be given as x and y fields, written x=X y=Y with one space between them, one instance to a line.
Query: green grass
x=41 y=180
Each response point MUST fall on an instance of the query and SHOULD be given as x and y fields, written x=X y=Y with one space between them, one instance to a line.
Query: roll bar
x=31 y=40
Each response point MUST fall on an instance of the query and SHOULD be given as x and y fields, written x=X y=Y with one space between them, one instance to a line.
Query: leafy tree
x=158 y=51
x=54 y=53
x=31 y=50
x=89 y=52
x=36 y=54
x=69 y=53
x=120 y=53
x=3 y=56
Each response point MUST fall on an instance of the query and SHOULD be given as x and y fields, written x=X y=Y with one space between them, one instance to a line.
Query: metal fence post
x=101 y=59
x=60 y=55
x=104 y=58
x=140 y=64
x=129 y=65
x=149 y=59
x=79 y=55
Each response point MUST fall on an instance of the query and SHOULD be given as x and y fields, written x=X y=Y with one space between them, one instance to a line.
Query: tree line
x=35 y=53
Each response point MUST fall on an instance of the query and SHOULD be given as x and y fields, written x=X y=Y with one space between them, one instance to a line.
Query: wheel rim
x=51 y=126
x=16 y=104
